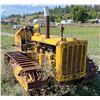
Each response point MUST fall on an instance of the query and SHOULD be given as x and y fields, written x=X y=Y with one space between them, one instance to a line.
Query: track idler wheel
x=91 y=69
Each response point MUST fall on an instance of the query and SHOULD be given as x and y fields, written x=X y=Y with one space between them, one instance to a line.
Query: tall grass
x=8 y=85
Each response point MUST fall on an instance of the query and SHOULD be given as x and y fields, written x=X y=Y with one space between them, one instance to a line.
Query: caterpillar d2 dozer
x=41 y=60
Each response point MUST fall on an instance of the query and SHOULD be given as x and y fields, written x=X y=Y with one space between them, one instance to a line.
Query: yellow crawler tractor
x=41 y=60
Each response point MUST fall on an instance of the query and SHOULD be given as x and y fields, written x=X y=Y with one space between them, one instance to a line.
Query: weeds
x=8 y=85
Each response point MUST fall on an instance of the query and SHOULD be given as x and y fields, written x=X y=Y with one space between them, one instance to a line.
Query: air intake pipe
x=46 y=14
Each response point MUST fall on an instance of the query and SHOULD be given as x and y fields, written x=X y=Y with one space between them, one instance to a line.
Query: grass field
x=90 y=33
x=7 y=28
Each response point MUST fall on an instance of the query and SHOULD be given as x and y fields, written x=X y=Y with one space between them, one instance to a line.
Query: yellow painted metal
x=53 y=40
x=29 y=78
x=70 y=77
x=59 y=74
x=17 y=69
x=21 y=79
x=36 y=34
x=50 y=58
x=37 y=27
x=41 y=57
x=18 y=40
x=85 y=56
x=36 y=50
x=59 y=60
x=60 y=46
x=19 y=37
x=46 y=54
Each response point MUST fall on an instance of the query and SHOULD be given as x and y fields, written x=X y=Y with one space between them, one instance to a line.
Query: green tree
x=93 y=14
x=79 y=13
x=98 y=15
x=67 y=16
x=52 y=18
x=58 y=19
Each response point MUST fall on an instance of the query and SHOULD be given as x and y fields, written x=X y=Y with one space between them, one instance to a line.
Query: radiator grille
x=73 y=59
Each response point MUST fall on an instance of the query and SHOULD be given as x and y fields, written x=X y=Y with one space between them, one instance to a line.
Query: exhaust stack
x=46 y=14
